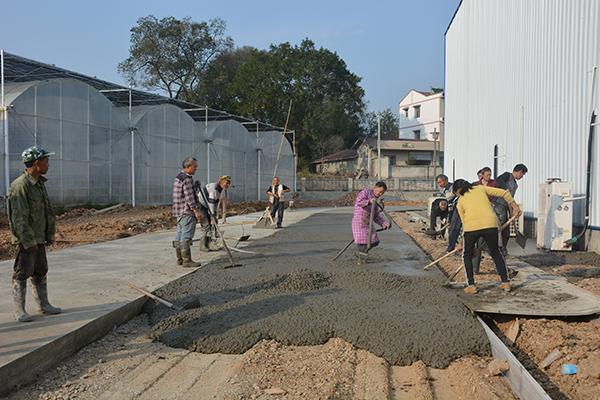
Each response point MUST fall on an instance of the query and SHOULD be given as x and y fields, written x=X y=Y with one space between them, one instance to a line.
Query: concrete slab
x=89 y=284
x=534 y=293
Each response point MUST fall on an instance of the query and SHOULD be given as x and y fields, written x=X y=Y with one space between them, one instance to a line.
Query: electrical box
x=555 y=216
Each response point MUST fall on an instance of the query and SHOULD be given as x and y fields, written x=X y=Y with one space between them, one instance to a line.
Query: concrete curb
x=26 y=368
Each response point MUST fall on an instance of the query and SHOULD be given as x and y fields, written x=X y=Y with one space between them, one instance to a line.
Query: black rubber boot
x=40 y=294
x=204 y=244
x=186 y=254
x=178 y=253
x=19 y=290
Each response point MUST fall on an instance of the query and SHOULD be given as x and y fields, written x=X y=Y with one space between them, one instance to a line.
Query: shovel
x=520 y=238
x=192 y=304
x=240 y=239
x=212 y=216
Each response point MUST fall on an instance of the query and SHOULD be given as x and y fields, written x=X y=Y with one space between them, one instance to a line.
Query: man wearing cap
x=32 y=228
x=186 y=210
x=212 y=193
x=276 y=192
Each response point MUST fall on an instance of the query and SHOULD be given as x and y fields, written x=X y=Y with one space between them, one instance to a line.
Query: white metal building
x=521 y=84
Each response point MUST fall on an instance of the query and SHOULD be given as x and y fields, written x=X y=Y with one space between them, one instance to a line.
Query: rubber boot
x=363 y=257
x=178 y=253
x=213 y=245
x=186 y=254
x=203 y=243
x=19 y=290
x=40 y=294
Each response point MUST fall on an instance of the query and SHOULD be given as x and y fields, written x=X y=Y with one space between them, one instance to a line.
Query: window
x=417 y=134
x=392 y=160
x=405 y=112
x=421 y=157
x=417 y=111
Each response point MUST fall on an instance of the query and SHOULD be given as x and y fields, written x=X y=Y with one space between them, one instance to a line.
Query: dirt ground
x=128 y=364
x=577 y=339
x=335 y=369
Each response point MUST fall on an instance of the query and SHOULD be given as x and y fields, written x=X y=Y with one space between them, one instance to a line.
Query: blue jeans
x=186 y=227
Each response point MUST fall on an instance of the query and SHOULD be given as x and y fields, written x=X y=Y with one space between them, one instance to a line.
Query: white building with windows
x=420 y=114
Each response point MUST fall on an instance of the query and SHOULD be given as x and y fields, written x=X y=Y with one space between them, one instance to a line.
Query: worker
x=186 y=209
x=32 y=228
x=222 y=205
x=479 y=220
x=361 y=220
x=212 y=193
x=485 y=179
x=439 y=208
x=508 y=181
x=276 y=193
x=454 y=220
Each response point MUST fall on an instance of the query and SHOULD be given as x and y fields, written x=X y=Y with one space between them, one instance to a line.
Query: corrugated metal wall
x=518 y=74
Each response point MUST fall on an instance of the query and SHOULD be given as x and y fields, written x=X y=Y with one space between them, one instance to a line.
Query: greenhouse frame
x=114 y=144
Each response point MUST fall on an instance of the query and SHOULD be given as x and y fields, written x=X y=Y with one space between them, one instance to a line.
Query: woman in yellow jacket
x=479 y=220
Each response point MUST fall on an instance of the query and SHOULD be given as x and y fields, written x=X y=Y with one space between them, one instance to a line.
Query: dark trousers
x=363 y=247
x=204 y=221
x=503 y=215
x=454 y=230
x=277 y=207
x=30 y=264
x=490 y=236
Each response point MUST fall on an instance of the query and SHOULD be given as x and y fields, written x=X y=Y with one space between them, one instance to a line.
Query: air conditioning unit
x=555 y=216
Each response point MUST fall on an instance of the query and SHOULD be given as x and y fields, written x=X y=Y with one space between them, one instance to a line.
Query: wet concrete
x=556 y=259
x=296 y=295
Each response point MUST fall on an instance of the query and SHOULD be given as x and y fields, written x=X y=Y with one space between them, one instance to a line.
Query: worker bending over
x=361 y=219
x=479 y=220
x=212 y=193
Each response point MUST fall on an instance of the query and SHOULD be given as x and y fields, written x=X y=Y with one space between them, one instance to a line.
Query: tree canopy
x=388 y=124
x=327 y=98
x=212 y=89
x=172 y=54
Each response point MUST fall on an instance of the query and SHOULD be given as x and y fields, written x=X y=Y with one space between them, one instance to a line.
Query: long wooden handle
x=153 y=297
x=441 y=258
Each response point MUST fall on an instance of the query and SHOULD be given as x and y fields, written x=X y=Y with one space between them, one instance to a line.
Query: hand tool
x=441 y=258
x=216 y=225
x=192 y=304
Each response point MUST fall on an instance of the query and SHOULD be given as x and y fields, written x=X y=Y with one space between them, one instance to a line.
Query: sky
x=394 y=46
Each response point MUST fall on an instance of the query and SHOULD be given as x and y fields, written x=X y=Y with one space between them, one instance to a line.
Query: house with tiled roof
x=400 y=158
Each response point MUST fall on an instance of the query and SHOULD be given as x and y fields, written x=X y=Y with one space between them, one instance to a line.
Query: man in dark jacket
x=507 y=181
x=439 y=208
x=32 y=228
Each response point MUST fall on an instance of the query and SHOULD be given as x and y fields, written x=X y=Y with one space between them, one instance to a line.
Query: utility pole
x=435 y=137
x=379 y=145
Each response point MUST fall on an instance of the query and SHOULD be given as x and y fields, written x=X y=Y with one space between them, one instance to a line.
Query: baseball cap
x=35 y=153
x=225 y=178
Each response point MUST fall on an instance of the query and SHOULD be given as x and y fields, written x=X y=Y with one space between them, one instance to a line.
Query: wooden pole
x=282 y=138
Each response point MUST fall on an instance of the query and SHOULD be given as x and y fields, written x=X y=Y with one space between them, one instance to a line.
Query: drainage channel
x=517 y=376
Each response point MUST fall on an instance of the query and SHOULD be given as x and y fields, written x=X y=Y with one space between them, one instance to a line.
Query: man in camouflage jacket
x=32 y=228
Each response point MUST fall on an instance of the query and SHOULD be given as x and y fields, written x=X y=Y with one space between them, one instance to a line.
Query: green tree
x=388 y=122
x=327 y=98
x=172 y=54
x=212 y=89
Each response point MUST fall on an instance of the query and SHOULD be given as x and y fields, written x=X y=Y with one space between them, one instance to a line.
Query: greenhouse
x=114 y=144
